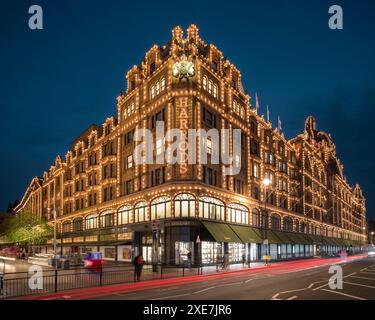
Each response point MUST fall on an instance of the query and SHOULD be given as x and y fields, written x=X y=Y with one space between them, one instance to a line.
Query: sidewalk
x=293 y=265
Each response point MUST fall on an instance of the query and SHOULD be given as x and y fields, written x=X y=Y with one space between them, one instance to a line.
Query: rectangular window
x=255 y=170
x=209 y=146
x=129 y=187
x=129 y=162
x=159 y=146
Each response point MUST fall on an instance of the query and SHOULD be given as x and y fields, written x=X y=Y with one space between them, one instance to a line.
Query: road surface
x=299 y=283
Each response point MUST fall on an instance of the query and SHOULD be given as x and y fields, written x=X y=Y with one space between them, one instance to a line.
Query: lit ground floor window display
x=187 y=242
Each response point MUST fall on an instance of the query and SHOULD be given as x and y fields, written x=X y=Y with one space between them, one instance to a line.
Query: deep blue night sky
x=56 y=82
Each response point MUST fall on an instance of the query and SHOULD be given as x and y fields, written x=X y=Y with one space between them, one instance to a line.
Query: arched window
x=204 y=83
x=303 y=228
x=255 y=217
x=184 y=205
x=243 y=113
x=140 y=212
x=125 y=215
x=288 y=224
x=275 y=222
x=215 y=93
x=107 y=219
x=91 y=222
x=161 y=208
x=211 y=208
x=297 y=226
x=210 y=86
x=238 y=213
x=157 y=88
x=78 y=225
x=66 y=226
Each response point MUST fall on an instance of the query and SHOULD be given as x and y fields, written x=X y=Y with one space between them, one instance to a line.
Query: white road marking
x=364 y=278
x=203 y=290
x=368 y=272
x=247 y=281
x=292 y=298
x=344 y=294
x=349 y=275
x=289 y=291
x=359 y=285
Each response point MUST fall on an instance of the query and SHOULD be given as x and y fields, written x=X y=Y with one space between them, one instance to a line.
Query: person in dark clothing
x=138 y=266
x=189 y=259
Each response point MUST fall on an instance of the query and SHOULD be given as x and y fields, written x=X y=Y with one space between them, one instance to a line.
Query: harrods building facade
x=106 y=202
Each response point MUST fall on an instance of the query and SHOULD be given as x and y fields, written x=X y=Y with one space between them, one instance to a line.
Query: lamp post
x=266 y=182
x=54 y=212
x=372 y=237
x=364 y=231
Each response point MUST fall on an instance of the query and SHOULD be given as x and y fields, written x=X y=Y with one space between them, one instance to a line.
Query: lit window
x=161 y=208
x=159 y=146
x=152 y=92
x=129 y=162
x=157 y=88
x=209 y=146
x=184 y=205
x=210 y=86
x=237 y=161
x=205 y=83
x=125 y=215
x=255 y=171
x=162 y=84
x=215 y=90
x=242 y=112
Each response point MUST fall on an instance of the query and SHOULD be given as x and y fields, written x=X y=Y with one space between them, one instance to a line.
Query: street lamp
x=364 y=231
x=266 y=182
x=372 y=237
x=54 y=212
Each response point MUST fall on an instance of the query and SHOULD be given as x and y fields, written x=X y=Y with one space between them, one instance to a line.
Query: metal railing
x=52 y=281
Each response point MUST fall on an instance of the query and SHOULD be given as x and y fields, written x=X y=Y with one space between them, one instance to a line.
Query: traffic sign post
x=199 y=243
x=155 y=245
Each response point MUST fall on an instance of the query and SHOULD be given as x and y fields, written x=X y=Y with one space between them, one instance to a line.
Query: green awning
x=221 y=232
x=315 y=238
x=299 y=238
x=284 y=237
x=272 y=237
x=335 y=241
x=327 y=241
x=341 y=242
x=247 y=234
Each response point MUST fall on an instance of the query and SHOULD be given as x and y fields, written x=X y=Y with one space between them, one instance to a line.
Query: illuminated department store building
x=106 y=202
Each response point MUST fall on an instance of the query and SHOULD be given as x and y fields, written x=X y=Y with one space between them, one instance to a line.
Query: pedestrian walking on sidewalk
x=243 y=260
x=248 y=260
x=138 y=266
